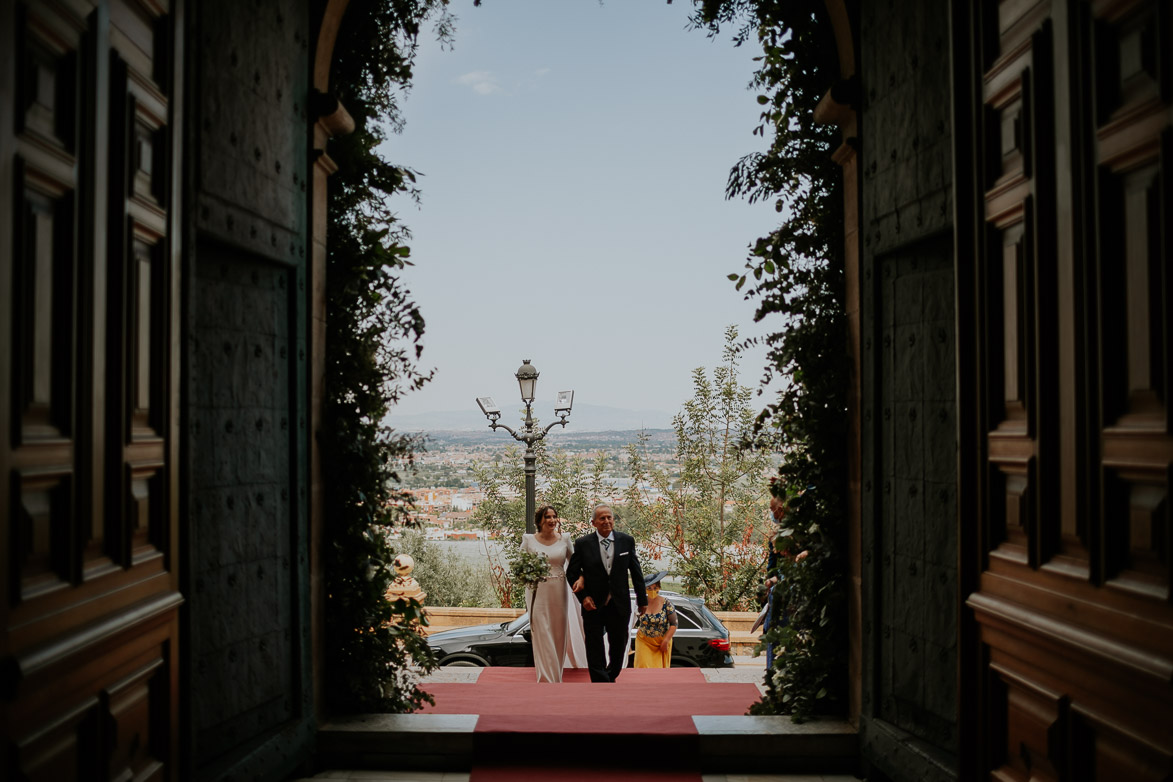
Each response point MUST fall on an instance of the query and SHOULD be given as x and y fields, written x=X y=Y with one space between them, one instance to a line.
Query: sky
x=574 y=156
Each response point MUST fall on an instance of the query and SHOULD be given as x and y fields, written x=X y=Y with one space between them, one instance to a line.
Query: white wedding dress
x=555 y=615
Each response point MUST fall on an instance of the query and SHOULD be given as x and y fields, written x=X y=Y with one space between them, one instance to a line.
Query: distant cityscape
x=447 y=494
x=585 y=418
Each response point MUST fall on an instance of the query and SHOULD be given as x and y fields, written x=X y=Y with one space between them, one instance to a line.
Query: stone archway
x=331 y=120
x=840 y=107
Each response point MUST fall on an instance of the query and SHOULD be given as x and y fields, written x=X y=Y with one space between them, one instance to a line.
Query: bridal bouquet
x=529 y=568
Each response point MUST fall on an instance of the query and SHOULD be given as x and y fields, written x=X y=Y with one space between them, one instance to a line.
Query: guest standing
x=774 y=613
x=655 y=628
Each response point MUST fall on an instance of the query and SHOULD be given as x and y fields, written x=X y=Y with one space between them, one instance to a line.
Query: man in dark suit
x=605 y=558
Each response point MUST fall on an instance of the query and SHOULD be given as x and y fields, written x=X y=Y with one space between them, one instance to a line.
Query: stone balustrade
x=446 y=617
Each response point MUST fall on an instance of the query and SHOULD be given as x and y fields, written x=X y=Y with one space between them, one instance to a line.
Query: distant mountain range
x=583 y=418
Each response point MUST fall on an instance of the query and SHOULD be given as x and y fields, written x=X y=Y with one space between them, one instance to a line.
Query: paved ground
x=748 y=661
x=749 y=670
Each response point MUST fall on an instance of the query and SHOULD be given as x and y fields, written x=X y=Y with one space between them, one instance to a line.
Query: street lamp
x=527 y=380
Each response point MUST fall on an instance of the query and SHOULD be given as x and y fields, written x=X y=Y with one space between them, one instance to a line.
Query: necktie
x=606 y=544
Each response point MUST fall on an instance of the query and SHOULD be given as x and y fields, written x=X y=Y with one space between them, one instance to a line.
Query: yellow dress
x=651 y=650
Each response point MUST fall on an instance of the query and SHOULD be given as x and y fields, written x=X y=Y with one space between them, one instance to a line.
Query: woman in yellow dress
x=655 y=628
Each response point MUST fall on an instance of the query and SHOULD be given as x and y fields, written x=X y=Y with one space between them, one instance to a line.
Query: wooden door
x=908 y=507
x=88 y=379
x=1064 y=113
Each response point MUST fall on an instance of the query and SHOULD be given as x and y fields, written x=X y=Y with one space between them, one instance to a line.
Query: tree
x=448 y=581
x=571 y=484
x=710 y=522
x=795 y=275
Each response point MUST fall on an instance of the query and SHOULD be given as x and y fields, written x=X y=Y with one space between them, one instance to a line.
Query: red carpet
x=590 y=708
x=509 y=700
x=646 y=717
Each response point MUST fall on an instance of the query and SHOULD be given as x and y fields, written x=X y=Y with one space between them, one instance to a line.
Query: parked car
x=701 y=640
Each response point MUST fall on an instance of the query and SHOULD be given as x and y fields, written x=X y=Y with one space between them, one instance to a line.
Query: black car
x=701 y=641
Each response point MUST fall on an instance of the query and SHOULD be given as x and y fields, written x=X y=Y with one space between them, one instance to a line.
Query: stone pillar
x=832 y=111
x=333 y=120
x=404 y=586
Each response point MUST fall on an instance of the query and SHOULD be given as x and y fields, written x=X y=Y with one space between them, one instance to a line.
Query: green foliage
x=502 y=514
x=372 y=349
x=795 y=276
x=803 y=681
x=709 y=520
x=574 y=485
x=528 y=569
x=571 y=484
x=447 y=580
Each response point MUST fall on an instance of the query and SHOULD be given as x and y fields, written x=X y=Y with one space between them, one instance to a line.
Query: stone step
x=726 y=744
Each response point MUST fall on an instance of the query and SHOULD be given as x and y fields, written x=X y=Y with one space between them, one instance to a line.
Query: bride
x=555 y=618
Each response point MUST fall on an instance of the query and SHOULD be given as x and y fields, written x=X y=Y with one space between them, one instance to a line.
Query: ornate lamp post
x=527 y=379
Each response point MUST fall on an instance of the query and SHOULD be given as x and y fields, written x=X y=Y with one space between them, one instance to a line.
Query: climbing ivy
x=794 y=275
x=373 y=647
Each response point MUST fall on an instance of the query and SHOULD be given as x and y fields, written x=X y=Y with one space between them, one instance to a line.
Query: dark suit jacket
x=587 y=561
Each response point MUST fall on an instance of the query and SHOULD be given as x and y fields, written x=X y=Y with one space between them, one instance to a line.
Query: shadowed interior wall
x=916 y=539
x=908 y=723
x=249 y=693
x=242 y=646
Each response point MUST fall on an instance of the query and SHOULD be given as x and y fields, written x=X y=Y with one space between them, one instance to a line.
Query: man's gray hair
x=595 y=512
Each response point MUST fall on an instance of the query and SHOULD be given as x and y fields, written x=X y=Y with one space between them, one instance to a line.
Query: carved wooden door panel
x=1067 y=646
x=88 y=378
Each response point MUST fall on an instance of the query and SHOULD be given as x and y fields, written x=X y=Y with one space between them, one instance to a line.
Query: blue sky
x=574 y=159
